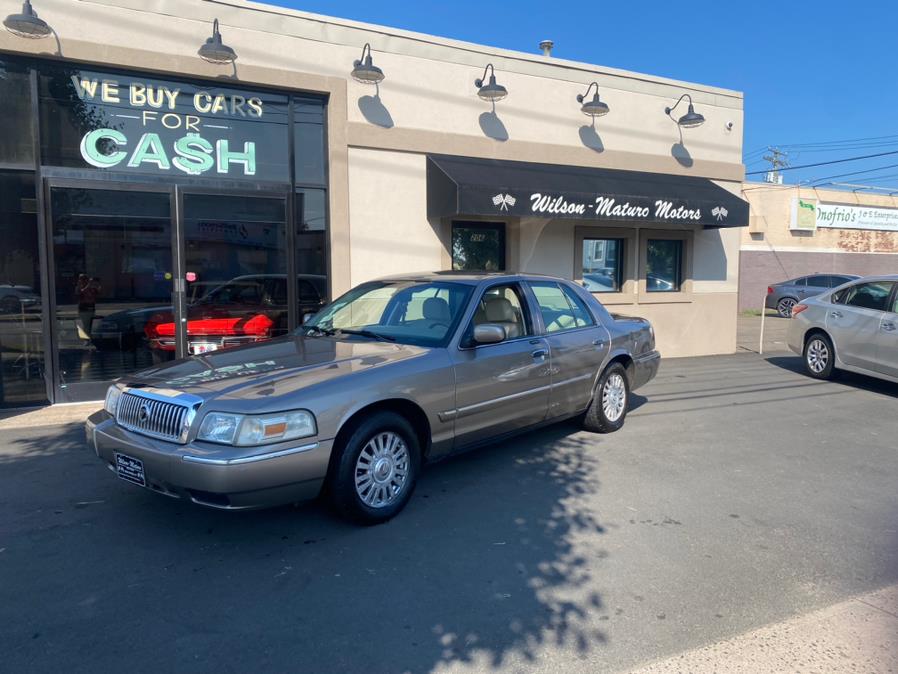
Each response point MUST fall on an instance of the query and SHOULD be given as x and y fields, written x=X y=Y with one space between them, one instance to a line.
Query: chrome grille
x=149 y=416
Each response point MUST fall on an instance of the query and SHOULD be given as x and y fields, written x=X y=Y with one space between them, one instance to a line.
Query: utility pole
x=777 y=159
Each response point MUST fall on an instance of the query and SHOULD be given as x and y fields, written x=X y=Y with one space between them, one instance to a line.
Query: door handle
x=836 y=314
x=539 y=353
x=888 y=326
x=597 y=342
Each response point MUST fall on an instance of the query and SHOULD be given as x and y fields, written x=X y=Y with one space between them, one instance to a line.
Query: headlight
x=113 y=393
x=258 y=429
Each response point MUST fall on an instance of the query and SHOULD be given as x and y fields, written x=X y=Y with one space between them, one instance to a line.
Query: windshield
x=422 y=313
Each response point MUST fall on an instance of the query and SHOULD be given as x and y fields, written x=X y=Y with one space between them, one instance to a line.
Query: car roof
x=469 y=277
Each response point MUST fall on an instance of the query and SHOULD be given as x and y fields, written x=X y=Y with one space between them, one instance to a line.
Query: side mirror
x=489 y=333
x=307 y=316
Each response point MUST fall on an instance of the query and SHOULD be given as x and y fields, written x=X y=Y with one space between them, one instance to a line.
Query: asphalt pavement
x=739 y=494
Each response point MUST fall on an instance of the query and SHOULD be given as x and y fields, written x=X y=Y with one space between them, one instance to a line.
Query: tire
x=364 y=485
x=784 y=306
x=608 y=409
x=819 y=356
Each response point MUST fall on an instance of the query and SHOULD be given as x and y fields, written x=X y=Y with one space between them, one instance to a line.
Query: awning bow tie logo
x=503 y=201
x=719 y=212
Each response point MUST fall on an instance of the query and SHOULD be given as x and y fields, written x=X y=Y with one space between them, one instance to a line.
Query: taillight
x=797 y=309
x=769 y=290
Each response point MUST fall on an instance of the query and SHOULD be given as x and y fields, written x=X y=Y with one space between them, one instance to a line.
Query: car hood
x=273 y=368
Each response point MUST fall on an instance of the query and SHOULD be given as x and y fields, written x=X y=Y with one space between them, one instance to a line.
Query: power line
x=854 y=173
x=827 y=143
x=827 y=163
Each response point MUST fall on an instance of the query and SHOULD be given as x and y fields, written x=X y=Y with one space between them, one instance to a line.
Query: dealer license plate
x=130 y=469
x=203 y=347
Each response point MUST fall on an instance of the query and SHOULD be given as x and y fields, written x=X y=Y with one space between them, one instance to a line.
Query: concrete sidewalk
x=858 y=635
x=53 y=415
x=748 y=333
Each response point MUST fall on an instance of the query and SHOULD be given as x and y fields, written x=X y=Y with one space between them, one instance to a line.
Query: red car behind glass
x=245 y=309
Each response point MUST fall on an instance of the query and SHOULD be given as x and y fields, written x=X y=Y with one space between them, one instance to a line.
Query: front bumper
x=228 y=478
x=645 y=367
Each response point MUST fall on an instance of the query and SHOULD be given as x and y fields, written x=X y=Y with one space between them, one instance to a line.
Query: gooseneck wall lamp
x=364 y=70
x=691 y=119
x=491 y=91
x=214 y=50
x=595 y=107
x=27 y=23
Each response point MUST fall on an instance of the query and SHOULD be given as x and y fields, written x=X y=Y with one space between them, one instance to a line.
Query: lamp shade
x=595 y=107
x=27 y=24
x=691 y=119
x=365 y=71
x=491 y=91
x=214 y=50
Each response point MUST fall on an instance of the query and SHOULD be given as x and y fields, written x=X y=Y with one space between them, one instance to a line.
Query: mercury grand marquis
x=394 y=374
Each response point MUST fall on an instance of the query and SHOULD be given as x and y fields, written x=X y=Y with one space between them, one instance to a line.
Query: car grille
x=148 y=416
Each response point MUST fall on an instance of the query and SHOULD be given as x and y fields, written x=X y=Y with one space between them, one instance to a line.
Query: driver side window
x=503 y=305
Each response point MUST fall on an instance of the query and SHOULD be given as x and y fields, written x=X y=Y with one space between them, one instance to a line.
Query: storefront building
x=795 y=232
x=154 y=204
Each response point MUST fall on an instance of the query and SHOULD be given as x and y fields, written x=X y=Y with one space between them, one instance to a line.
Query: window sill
x=665 y=298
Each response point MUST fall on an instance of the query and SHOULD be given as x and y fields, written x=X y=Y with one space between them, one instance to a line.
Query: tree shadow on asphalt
x=796 y=365
x=492 y=560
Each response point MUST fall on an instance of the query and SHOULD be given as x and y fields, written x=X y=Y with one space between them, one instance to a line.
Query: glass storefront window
x=118 y=146
x=310 y=157
x=603 y=265
x=17 y=140
x=21 y=328
x=113 y=271
x=478 y=246
x=236 y=270
x=664 y=265
x=311 y=251
x=132 y=123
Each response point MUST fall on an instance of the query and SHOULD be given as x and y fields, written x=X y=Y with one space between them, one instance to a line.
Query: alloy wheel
x=817 y=355
x=784 y=307
x=382 y=469
x=614 y=397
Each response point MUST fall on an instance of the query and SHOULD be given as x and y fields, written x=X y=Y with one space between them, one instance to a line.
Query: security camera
x=729 y=126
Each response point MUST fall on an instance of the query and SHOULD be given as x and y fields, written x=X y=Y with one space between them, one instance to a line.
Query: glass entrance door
x=236 y=260
x=113 y=272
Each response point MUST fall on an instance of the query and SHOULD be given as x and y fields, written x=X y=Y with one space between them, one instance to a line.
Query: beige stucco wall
x=391 y=234
x=388 y=210
x=699 y=321
x=378 y=137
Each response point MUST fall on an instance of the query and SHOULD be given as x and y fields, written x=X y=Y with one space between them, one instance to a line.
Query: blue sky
x=812 y=72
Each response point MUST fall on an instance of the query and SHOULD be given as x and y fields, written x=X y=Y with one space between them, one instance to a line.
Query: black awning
x=466 y=186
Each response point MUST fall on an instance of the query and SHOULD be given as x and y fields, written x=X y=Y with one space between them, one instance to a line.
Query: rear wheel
x=785 y=305
x=819 y=356
x=376 y=469
x=608 y=409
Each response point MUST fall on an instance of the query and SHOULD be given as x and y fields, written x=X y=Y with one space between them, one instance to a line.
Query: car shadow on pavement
x=860 y=381
x=489 y=563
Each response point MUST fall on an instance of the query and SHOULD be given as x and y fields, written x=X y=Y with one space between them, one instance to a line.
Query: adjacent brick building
x=794 y=231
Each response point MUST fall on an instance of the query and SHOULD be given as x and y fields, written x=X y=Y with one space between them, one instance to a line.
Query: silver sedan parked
x=853 y=327
x=395 y=373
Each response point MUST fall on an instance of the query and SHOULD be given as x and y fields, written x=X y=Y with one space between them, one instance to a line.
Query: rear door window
x=874 y=295
x=558 y=310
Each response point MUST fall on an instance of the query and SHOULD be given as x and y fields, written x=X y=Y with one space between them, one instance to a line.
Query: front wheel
x=819 y=357
x=376 y=469
x=608 y=409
